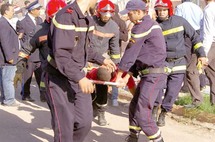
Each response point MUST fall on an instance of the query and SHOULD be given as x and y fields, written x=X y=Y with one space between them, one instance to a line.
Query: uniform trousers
x=193 y=80
x=140 y=109
x=71 y=113
x=32 y=67
x=173 y=86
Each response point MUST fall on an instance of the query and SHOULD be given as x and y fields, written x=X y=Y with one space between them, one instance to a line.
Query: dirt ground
x=31 y=123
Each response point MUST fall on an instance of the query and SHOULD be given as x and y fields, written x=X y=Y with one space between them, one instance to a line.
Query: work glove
x=17 y=78
x=21 y=66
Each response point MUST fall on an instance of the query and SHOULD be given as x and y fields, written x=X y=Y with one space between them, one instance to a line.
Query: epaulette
x=69 y=10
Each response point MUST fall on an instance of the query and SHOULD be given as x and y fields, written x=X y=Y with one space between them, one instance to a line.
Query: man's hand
x=203 y=60
x=86 y=85
x=17 y=78
x=110 y=65
x=10 y=61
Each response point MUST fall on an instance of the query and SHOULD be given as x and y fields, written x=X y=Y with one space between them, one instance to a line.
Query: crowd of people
x=80 y=41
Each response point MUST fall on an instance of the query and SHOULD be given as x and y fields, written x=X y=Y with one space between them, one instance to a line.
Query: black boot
x=101 y=119
x=161 y=118
x=155 y=113
x=132 y=138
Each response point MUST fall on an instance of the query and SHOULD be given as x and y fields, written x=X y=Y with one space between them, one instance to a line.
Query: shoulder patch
x=69 y=10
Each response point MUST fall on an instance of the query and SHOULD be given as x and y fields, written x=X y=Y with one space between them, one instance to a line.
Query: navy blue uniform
x=175 y=29
x=68 y=39
x=28 y=27
x=147 y=50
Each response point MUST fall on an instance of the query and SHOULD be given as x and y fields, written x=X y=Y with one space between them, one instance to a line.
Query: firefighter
x=67 y=87
x=146 y=54
x=106 y=41
x=175 y=28
x=38 y=41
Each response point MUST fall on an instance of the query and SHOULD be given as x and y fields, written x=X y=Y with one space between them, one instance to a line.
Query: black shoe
x=101 y=119
x=42 y=98
x=161 y=118
x=131 y=138
x=29 y=99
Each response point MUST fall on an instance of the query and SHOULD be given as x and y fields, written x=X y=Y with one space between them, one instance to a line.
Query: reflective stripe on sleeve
x=71 y=27
x=145 y=33
x=172 y=31
x=23 y=55
x=116 y=56
x=198 y=45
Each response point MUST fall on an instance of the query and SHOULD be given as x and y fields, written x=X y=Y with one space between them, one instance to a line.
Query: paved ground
x=31 y=123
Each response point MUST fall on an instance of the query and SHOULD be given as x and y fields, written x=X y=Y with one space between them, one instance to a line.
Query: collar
x=75 y=7
x=32 y=18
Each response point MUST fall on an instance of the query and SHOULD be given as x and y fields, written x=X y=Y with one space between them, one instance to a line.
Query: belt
x=173 y=59
x=164 y=70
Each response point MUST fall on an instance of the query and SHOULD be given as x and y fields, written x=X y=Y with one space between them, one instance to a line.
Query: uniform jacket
x=69 y=38
x=146 y=48
x=9 y=44
x=175 y=29
x=106 y=38
x=39 y=41
x=28 y=27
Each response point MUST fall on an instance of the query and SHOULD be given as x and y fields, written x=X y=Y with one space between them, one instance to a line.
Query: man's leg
x=8 y=73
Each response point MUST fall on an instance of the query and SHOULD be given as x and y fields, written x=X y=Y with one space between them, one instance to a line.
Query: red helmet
x=164 y=4
x=53 y=6
x=106 y=8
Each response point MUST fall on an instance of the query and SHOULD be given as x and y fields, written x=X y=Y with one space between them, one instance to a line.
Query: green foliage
x=205 y=106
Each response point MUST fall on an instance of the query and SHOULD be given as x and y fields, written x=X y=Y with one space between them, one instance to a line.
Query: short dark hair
x=26 y=2
x=5 y=7
x=103 y=74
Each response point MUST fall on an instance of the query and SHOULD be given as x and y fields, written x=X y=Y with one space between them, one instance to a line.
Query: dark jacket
x=28 y=27
x=146 y=48
x=39 y=41
x=68 y=40
x=175 y=29
x=9 y=44
x=106 y=38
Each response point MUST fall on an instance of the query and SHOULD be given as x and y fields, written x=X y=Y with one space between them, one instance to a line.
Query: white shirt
x=209 y=26
x=191 y=12
x=32 y=18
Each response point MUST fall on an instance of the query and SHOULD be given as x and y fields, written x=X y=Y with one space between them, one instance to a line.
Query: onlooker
x=27 y=26
x=174 y=30
x=209 y=45
x=67 y=87
x=193 y=14
x=146 y=43
x=9 y=49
